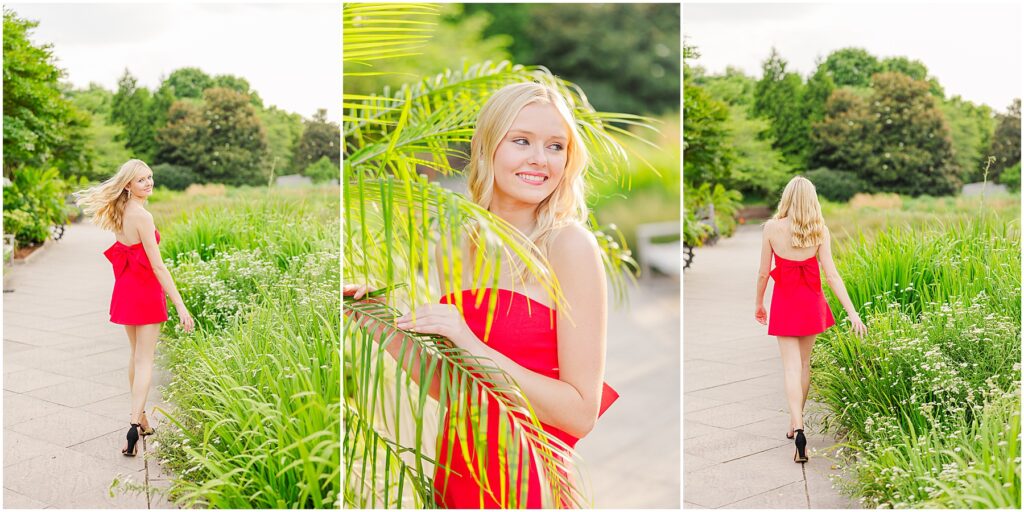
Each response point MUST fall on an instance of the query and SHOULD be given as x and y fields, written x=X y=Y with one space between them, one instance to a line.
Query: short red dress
x=138 y=297
x=524 y=330
x=798 y=306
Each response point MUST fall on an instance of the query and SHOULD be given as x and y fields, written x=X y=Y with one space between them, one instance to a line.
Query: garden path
x=735 y=414
x=65 y=398
x=632 y=455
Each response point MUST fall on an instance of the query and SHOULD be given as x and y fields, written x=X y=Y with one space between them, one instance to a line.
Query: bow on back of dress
x=805 y=271
x=123 y=256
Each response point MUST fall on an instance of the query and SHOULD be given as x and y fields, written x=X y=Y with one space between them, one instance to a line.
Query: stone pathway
x=65 y=398
x=735 y=413
x=632 y=455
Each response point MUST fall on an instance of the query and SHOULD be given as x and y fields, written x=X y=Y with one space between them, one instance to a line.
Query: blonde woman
x=527 y=164
x=800 y=241
x=140 y=279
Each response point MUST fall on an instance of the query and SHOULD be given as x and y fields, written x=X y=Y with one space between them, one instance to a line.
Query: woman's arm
x=570 y=403
x=836 y=283
x=147 y=232
x=762 y=277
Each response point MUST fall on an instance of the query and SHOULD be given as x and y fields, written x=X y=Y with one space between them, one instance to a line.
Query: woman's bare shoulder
x=574 y=238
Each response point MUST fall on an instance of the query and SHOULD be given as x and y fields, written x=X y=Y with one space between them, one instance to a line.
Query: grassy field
x=256 y=389
x=929 y=400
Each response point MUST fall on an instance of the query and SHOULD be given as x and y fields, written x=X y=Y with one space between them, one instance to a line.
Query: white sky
x=289 y=53
x=973 y=49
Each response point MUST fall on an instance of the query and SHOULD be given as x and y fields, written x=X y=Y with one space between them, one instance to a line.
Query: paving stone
x=16 y=500
x=731 y=415
x=73 y=480
x=68 y=427
x=20 y=408
x=75 y=392
x=728 y=445
x=28 y=380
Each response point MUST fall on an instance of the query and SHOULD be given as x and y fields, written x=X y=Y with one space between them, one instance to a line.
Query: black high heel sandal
x=133 y=438
x=801 y=445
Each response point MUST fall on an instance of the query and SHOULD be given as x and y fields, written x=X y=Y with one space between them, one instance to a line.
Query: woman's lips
x=532 y=178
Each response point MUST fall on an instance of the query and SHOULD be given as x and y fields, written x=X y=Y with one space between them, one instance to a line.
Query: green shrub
x=836 y=185
x=726 y=203
x=1011 y=177
x=323 y=170
x=174 y=177
x=33 y=203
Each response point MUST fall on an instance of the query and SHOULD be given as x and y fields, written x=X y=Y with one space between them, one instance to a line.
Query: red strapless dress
x=138 y=297
x=798 y=304
x=524 y=330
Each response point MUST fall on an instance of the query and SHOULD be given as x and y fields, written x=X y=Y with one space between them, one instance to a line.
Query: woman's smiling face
x=529 y=161
x=142 y=184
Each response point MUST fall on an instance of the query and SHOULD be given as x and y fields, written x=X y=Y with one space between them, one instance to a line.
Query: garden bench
x=663 y=256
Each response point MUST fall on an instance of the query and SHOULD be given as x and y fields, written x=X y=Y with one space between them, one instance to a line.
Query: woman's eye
x=521 y=142
x=556 y=146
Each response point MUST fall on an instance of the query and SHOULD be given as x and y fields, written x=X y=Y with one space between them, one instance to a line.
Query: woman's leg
x=130 y=330
x=806 y=345
x=789 y=348
x=145 y=336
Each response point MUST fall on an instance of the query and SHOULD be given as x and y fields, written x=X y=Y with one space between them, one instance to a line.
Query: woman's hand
x=356 y=291
x=761 y=315
x=441 y=319
x=857 y=325
x=184 y=318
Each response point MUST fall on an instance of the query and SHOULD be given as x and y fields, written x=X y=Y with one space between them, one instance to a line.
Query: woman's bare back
x=781 y=239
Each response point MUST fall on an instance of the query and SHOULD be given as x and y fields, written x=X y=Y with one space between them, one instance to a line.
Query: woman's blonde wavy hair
x=800 y=203
x=567 y=204
x=105 y=202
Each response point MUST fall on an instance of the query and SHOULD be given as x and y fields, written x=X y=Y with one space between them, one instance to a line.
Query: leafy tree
x=237 y=84
x=707 y=155
x=851 y=66
x=41 y=127
x=131 y=107
x=897 y=140
x=971 y=128
x=1006 y=140
x=816 y=93
x=323 y=170
x=779 y=98
x=508 y=21
x=283 y=132
x=104 y=137
x=188 y=83
x=319 y=139
x=757 y=168
x=220 y=139
x=913 y=68
x=733 y=87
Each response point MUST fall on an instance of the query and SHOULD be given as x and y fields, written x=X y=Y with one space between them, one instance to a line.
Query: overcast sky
x=973 y=49
x=289 y=53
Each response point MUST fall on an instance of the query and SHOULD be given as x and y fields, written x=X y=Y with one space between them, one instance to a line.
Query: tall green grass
x=255 y=392
x=929 y=399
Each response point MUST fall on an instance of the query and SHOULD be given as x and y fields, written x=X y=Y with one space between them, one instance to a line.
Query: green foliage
x=626 y=56
x=323 y=170
x=283 y=131
x=174 y=177
x=707 y=155
x=853 y=66
x=220 y=139
x=733 y=88
x=757 y=169
x=818 y=89
x=33 y=203
x=104 y=138
x=130 y=107
x=778 y=97
x=911 y=67
x=41 y=127
x=836 y=185
x=320 y=139
x=261 y=295
x=896 y=140
x=726 y=203
x=1006 y=140
x=1011 y=177
x=188 y=82
x=971 y=127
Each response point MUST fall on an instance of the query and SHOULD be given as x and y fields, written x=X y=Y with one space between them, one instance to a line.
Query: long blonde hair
x=800 y=203
x=567 y=204
x=105 y=202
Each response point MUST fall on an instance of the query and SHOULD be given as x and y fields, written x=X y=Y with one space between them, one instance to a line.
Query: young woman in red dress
x=140 y=279
x=527 y=164
x=800 y=241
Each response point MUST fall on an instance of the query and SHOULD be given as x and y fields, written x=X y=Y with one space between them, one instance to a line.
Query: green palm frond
x=384 y=31
x=468 y=384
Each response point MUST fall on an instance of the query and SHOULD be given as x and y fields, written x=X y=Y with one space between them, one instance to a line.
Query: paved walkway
x=735 y=414
x=65 y=399
x=632 y=455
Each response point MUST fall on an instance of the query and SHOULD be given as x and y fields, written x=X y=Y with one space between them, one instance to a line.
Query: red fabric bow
x=805 y=271
x=122 y=256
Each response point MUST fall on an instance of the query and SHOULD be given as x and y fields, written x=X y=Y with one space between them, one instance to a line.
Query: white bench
x=666 y=256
